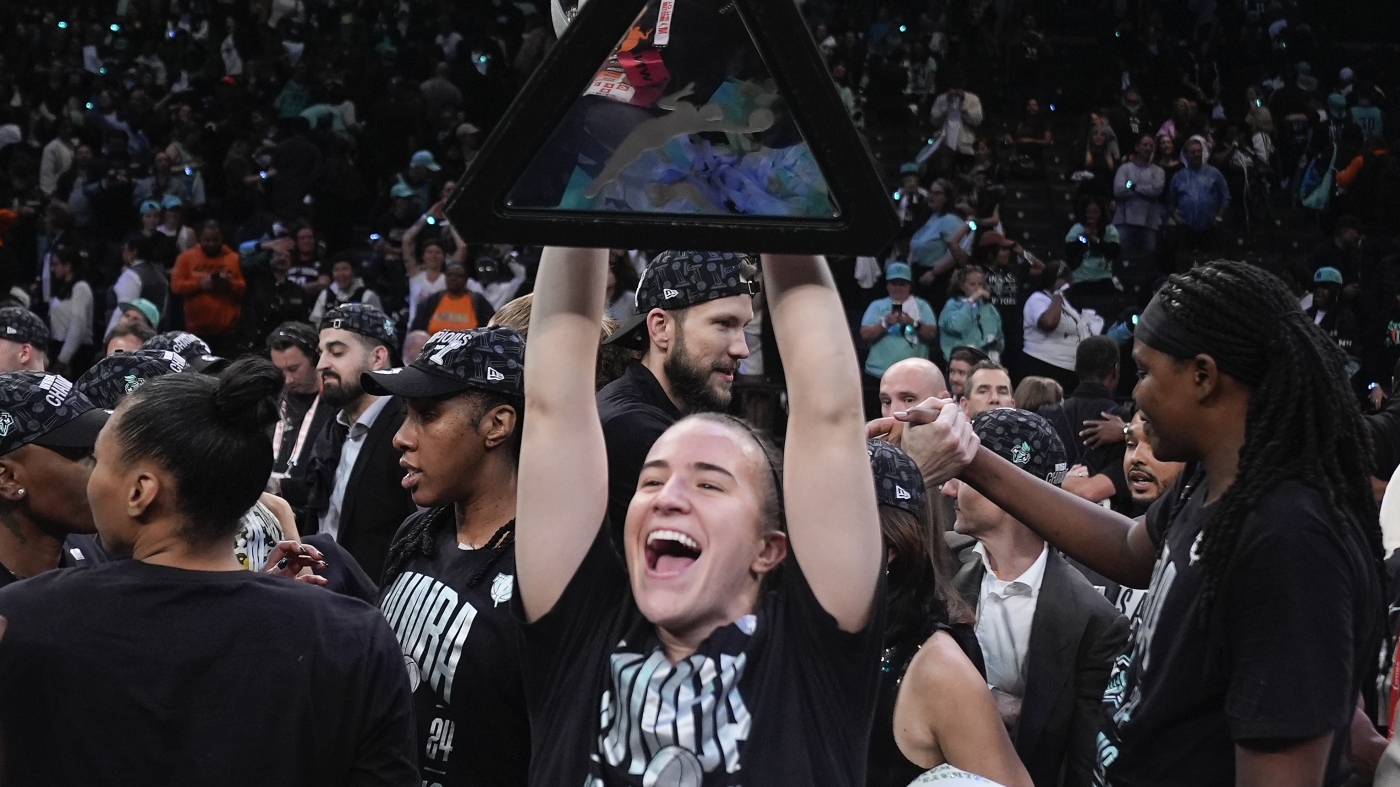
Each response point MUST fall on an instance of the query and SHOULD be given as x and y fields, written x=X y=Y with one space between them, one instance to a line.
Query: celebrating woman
x=690 y=658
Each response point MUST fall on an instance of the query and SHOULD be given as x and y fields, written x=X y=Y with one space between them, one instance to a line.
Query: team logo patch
x=7 y=422
x=132 y=382
x=1021 y=454
x=502 y=588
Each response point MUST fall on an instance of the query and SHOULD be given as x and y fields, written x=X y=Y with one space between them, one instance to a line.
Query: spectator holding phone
x=210 y=280
x=1137 y=188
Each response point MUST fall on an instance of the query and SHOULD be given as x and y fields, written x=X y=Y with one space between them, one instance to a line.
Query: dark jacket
x=375 y=502
x=1075 y=637
x=1384 y=431
x=635 y=411
x=1088 y=402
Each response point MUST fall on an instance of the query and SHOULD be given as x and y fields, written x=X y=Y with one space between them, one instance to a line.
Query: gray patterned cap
x=23 y=327
x=112 y=378
x=363 y=319
x=1024 y=439
x=898 y=482
x=190 y=347
x=454 y=362
x=47 y=410
x=681 y=279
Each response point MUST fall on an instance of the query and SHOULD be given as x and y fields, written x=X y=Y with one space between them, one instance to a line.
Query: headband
x=1159 y=329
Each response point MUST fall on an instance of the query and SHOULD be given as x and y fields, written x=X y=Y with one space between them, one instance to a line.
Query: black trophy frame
x=867 y=220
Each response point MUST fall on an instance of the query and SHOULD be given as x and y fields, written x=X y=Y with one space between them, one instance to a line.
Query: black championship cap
x=681 y=279
x=363 y=319
x=23 y=327
x=45 y=409
x=190 y=347
x=454 y=362
x=898 y=482
x=112 y=378
x=1024 y=439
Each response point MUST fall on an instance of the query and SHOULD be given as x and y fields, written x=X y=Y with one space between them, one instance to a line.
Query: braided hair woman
x=451 y=566
x=1262 y=566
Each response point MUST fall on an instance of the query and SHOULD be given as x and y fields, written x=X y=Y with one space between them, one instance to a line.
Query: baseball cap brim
x=81 y=432
x=410 y=382
x=631 y=334
x=208 y=364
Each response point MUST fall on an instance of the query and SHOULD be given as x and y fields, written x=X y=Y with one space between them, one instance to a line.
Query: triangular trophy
x=679 y=124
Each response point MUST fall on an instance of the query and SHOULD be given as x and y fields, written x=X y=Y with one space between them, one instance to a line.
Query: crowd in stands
x=1129 y=373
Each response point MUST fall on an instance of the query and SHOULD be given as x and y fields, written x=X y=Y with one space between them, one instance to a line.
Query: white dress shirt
x=1005 y=610
x=349 y=453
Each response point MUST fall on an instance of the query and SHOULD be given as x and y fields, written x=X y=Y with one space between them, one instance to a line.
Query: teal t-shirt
x=1095 y=266
x=930 y=243
x=899 y=341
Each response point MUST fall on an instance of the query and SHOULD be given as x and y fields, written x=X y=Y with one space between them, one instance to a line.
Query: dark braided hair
x=1303 y=422
x=421 y=538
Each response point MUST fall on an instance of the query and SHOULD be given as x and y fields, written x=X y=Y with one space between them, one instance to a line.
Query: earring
x=19 y=491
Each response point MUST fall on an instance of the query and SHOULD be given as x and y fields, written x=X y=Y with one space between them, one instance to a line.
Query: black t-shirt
x=78 y=552
x=783 y=697
x=132 y=673
x=462 y=649
x=1295 y=625
x=635 y=411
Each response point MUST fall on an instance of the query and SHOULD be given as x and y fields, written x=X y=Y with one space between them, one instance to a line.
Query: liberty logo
x=502 y=588
x=493 y=376
x=668 y=294
x=900 y=493
x=132 y=382
x=1021 y=454
x=7 y=422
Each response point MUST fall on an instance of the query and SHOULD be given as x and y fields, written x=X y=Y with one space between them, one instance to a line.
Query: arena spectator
x=24 y=340
x=988 y=387
x=1138 y=189
x=969 y=318
x=1052 y=328
x=898 y=326
x=210 y=280
x=1197 y=199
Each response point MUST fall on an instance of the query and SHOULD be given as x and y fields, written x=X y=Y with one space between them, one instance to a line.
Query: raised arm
x=829 y=493
x=563 y=491
x=1111 y=544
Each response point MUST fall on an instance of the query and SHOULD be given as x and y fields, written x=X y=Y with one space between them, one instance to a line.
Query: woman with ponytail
x=165 y=663
x=451 y=567
x=1264 y=612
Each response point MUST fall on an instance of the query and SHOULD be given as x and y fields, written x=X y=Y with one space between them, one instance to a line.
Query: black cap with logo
x=112 y=378
x=898 y=482
x=681 y=279
x=23 y=327
x=1024 y=439
x=454 y=362
x=363 y=319
x=45 y=409
x=190 y=347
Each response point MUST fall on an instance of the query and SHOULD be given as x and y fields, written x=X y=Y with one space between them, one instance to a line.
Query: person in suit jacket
x=352 y=488
x=1048 y=637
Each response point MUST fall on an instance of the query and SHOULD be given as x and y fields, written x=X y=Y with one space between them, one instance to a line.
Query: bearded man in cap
x=352 y=489
x=691 y=311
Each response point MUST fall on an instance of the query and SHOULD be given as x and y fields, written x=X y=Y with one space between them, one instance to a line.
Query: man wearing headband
x=295 y=350
x=692 y=307
x=1263 y=567
x=24 y=339
x=1049 y=639
x=351 y=489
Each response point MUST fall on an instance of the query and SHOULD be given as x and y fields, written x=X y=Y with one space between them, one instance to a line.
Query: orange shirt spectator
x=455 y=308
x=209 y=279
